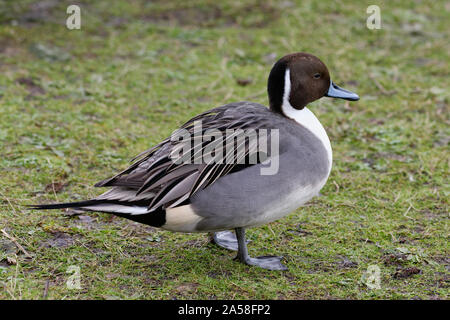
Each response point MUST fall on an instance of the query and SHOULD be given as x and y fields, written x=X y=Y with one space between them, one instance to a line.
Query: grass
x=76 y=105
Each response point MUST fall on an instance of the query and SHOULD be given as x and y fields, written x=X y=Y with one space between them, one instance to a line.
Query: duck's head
x=300 y=78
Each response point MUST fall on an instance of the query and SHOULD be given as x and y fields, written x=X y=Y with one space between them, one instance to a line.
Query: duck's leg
x=266 y=262
x=225 y=239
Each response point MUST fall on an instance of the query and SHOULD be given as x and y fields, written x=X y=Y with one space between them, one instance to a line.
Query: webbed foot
x=266 y=262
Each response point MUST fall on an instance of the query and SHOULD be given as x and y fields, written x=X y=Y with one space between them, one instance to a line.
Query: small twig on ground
x=5 y=286
x=54 y=191
x=406 y=213
x=268 y=226
x=16 y=243
x=47 y=284
x=9 y=202
x=11 y=260
x=336 y=185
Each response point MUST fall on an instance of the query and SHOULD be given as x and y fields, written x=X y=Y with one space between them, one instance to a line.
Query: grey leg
x=266 y=262
x=226 y=239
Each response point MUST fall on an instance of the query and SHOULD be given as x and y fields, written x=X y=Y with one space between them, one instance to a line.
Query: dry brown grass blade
x=16 y=243
x=381 y=88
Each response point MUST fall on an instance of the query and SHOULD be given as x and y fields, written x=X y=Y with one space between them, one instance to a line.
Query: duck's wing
x=156 y=180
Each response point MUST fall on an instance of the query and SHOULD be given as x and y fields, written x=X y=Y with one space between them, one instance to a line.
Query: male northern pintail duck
x=203 y=195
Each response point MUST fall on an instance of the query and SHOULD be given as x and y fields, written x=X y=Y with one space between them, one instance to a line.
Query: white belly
x=289 y=203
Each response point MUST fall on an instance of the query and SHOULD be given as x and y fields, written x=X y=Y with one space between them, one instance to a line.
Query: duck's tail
x=77 y=205
x=97 y=205
x=137 y=211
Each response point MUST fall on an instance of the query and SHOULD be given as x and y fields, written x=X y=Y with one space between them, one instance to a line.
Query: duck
x=219 y=197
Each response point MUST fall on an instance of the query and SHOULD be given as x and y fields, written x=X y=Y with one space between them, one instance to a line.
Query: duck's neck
x=276 y=86
x=304 y=117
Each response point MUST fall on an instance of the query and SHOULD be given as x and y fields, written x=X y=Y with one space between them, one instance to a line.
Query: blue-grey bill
x=337 y=92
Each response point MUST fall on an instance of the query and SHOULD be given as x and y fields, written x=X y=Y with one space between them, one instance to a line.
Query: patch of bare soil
x=55 y=187
x=199 y=243
x=217 y=274
x=298 y=232
x=8 y=47
x=244 y=81
x=35 y=12
x=59 y=240
x=444 y=260
x=402 y=273
x=345 y=263
x=314 y=265
x=260 y=15
x=33 y=88
x=39 y=11
x=394 y=259
x=186 y=288
x=7 y=252
x=443 y=281
x=7 y=247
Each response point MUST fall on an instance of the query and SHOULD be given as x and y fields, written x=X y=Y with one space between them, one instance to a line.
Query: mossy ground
x=76 y=105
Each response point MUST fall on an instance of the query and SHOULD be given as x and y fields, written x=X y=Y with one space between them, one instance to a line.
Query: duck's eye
x=317 y=76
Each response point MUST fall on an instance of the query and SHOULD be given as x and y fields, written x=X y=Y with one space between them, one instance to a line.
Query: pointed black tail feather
x=63 y=205
x=156 y=218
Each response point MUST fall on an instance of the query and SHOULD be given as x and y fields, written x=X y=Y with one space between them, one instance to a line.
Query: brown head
x=301 y=78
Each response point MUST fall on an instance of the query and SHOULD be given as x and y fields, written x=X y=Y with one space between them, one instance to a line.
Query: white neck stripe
x=287 y=90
